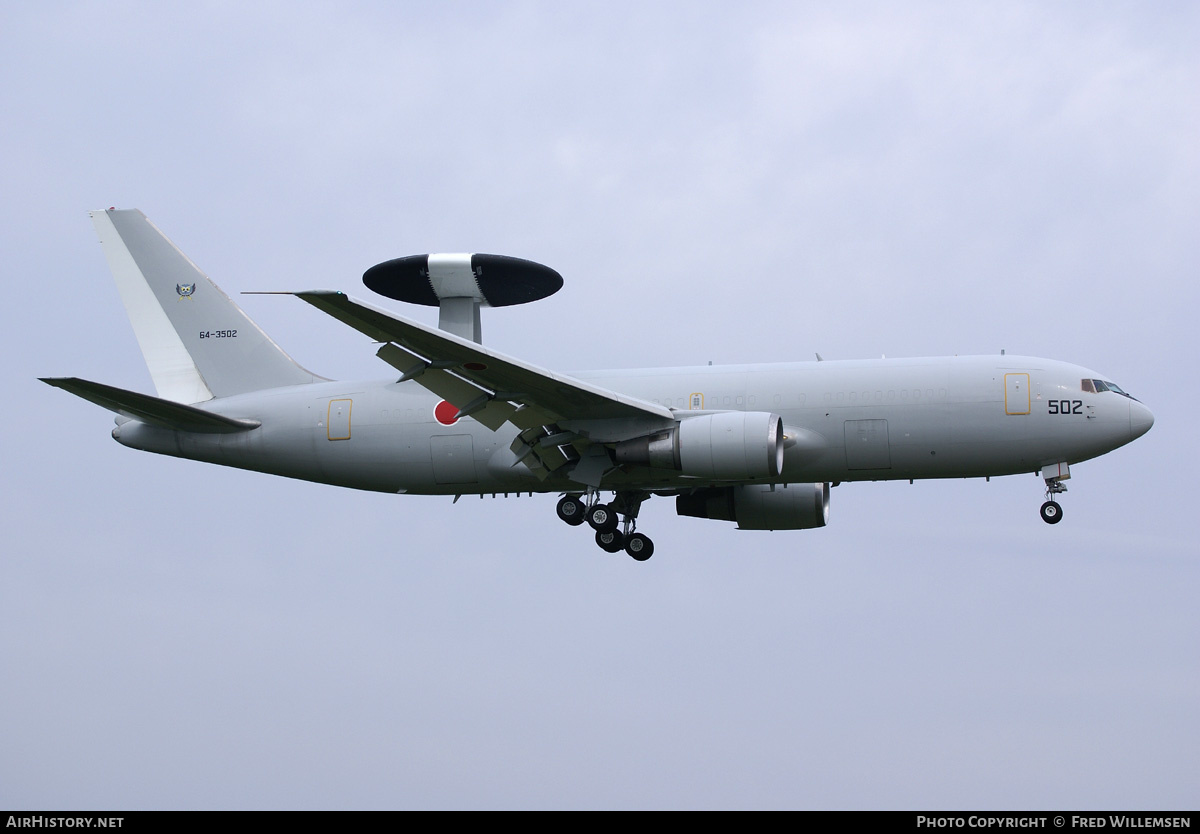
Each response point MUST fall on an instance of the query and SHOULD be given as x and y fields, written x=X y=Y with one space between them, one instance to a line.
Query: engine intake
x=731 y=445
x=760 y=506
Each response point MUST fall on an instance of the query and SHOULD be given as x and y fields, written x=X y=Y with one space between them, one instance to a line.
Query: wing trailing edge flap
x=152 y=410
x=544 y=449
x=471 y=400
x=558 y=416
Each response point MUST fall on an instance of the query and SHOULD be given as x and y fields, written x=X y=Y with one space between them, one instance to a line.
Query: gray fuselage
x=880 y=419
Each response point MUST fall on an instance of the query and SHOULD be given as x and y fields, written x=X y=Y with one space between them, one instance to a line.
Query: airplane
x=759 y=445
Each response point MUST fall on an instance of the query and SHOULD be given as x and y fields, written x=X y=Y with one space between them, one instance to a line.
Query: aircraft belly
x=270 y=449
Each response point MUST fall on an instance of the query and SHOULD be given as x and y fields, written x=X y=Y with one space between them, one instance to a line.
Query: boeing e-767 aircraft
x=755 y=444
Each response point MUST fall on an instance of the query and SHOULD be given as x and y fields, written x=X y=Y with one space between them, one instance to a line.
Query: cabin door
x=337 y=421
x=867 y=445
x=1016 y=393
x=453 y=457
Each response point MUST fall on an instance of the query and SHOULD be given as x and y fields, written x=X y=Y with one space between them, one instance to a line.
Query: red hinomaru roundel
x=445 y=413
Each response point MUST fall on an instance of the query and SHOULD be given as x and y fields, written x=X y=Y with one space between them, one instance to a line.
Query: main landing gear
x=1052 y=512
x=612 y=533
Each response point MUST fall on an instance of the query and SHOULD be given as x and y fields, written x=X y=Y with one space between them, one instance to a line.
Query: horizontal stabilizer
x=158 y=412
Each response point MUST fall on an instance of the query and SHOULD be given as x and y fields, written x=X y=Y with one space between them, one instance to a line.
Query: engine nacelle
x=760 y=506
x=732 y=445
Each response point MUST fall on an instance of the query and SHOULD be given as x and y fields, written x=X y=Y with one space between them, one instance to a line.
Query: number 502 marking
x=1065 y=406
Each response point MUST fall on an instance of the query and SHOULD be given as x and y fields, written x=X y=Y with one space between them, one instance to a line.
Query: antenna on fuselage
x=459 y=284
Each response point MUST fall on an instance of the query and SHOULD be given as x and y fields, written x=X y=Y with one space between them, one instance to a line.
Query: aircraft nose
x=1140 y=420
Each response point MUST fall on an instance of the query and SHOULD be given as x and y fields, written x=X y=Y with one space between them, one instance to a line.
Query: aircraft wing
x=489 y=386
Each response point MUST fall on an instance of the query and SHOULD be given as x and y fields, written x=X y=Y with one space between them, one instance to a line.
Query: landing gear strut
x=1052 y=512
x=615 y=524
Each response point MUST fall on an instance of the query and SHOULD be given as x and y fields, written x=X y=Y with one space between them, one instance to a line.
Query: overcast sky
x=748 y=183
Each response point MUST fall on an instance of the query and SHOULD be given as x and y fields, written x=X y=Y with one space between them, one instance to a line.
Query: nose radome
x=1140 y=420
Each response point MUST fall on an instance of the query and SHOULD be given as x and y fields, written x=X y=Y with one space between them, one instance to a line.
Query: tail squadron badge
x=185 y=290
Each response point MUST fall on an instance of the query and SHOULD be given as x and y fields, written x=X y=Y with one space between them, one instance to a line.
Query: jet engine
x=732 y=445
x=760 y=506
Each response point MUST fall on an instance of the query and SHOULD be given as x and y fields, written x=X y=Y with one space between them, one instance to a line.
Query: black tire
x=612 y=541
x=603 y=518
x=571 y=509
x=1051 y=512
x=639 y=547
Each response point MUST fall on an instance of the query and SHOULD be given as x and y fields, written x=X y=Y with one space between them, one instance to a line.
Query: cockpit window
x=1099 y=386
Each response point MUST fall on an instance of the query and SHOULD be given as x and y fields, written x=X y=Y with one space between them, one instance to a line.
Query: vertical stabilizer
x=197 y=343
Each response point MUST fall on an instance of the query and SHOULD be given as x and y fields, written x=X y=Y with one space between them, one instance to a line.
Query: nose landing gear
x=613 y=533
x=1052 y=512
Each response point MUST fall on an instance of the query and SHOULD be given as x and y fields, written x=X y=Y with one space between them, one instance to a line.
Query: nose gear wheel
x=1051 y=511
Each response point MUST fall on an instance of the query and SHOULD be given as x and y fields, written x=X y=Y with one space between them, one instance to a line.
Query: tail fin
x=197 y=343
